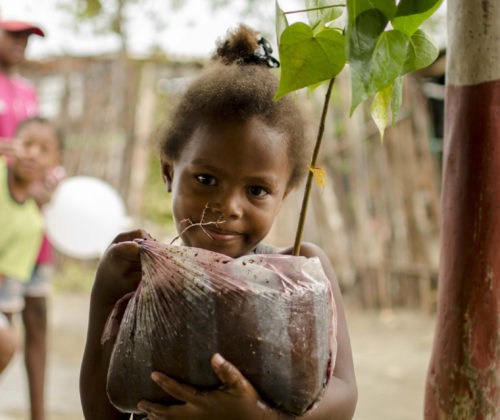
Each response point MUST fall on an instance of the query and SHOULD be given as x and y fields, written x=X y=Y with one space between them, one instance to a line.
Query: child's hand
x=119 y=270
x=42 y=190
x=10 y=147
x=236 y=399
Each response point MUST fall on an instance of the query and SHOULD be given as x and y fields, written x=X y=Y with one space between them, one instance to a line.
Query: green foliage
x=281 y=21
x=421 y=52
x=308 y=58
x=89 y=8
x=412 y=13
x=382 y=42
x=376 y=57
x=321 y=12
x=380 y=109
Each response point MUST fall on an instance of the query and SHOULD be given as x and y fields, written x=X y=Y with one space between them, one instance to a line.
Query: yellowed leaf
x=319 y=175
x=380 y=109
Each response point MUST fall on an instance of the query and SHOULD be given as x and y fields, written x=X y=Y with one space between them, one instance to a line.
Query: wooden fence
x=377 y=217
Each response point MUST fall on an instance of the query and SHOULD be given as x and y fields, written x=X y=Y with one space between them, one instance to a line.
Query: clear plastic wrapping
x=273 y=316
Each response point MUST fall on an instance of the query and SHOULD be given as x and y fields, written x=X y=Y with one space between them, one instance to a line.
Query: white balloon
x=83 y=217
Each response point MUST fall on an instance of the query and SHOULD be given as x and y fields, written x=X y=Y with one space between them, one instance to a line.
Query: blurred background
x=110 y=71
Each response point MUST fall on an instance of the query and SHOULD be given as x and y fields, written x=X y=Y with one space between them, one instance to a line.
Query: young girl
x=230 y=157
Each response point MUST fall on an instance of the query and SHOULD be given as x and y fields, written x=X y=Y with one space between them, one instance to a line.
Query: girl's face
x=232 y=177
x=38 y=151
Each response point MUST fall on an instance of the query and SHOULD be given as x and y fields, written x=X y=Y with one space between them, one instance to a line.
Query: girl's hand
x=236 y=399
x=119 y=270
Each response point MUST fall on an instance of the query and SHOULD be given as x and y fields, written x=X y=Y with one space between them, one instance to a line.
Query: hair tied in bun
x=262 y=55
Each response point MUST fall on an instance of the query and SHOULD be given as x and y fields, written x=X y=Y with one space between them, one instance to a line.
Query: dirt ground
x=391 y=351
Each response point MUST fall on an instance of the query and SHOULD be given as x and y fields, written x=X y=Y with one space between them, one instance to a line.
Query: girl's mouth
x=29 y=166
x=221 y=234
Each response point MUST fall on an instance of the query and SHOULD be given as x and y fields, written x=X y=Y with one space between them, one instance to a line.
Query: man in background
x=18 y=99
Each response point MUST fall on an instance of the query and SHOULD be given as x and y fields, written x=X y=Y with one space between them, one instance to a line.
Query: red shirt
x=18 y=101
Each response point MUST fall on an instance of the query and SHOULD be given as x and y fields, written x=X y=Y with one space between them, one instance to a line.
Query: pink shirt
x=18 y=101
x=45 y=255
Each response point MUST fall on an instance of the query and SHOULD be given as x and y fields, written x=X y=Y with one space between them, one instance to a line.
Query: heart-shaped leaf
x=421 y=52
x=281 y=22
x=356 y=7
x=410 y=14
x=322 y=12
x=308 y=58
x=376 y=57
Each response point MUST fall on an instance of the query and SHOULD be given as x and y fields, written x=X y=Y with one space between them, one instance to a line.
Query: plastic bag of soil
x=272 y=316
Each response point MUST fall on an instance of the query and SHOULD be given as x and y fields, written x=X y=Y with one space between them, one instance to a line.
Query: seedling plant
x=380 y=41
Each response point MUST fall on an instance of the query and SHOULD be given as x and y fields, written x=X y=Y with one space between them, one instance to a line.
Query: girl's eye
x=206 y=179
x=257 y=191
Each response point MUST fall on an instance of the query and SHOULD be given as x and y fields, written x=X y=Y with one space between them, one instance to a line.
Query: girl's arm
x=341 y=394
x=119 y=273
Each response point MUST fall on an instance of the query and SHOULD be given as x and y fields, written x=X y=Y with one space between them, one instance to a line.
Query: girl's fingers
x=127 y=251
x=182 y=392
x=172 y=412
x=229 y=374
x=131 y=235
x=124 y=246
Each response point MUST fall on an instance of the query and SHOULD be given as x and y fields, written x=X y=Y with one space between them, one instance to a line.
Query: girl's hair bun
x=238 y=47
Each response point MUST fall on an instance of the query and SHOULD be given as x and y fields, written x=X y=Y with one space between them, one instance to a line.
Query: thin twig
x=314 y=8
x=201 y=224
x=307 y=191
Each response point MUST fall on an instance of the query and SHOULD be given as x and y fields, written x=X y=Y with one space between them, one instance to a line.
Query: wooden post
x=464 y=374
x=144 y=120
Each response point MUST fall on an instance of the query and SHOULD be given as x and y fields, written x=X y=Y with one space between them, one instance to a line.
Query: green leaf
x=356 y=7
x=376 y=56
x=380 y=109
x=388 y=59
x=281 y=22
x=397 y=98
x=312 y=88
x=362 y=35
x=421 y=52
x=410 y=14
x=307 y=58
x=89 y=9
x=323 y=14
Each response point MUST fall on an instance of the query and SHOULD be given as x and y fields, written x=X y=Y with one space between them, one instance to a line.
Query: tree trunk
x=464 y=374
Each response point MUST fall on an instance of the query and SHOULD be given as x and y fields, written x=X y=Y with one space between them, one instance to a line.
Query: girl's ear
x=287 y=191
x=167 y=170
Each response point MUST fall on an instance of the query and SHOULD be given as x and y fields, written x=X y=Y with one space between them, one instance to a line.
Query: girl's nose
x=33 y=151
x=229 y=204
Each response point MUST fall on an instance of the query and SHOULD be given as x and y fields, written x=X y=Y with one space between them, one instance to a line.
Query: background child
x=18 y=98
x=230 y=157
x=35 y=151
x=7 y=342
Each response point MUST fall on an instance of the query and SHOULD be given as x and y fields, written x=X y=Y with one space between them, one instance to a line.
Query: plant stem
x=314 y=8
x=307 y=191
